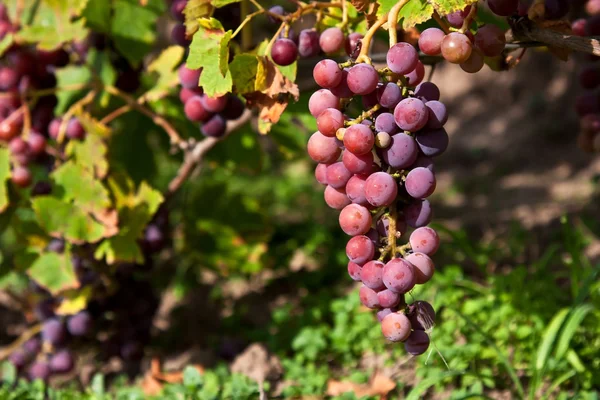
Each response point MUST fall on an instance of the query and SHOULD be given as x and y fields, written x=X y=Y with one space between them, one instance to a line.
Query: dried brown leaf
x=379 y=385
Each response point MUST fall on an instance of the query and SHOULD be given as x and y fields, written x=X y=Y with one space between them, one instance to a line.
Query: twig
x=194 y=156
x=366 y=41
x=115 y=114
x=157 y=119
x=468 y=19
x=441 y=22
x=25 y=336
x=393 y=21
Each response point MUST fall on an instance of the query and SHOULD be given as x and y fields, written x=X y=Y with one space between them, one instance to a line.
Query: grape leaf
x=89 y=154
x=444 y=7
x=133 y=29
x=210 y=51
x=165 y=66
x=54 y=272
x=193 y=11
x=78 y=185
x=223 y=3
x=4 y=176
x=244 y=72
x=74 y=300
x=61 y=219
x=67 y=78
x=97 y=15
x=412 y=13
x=100 y=63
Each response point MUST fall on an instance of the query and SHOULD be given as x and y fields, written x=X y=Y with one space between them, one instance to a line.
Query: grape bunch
x=378 y=170
x=310 y=43
x=587 y=104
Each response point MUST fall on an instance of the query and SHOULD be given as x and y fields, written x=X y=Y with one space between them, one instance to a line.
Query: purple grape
x=32 y=347
x=381 y=314
x=423 y=267
x=177 y=8
x=389 y=95
x=417 y=343
x=355 y=220
x=308 y=43
x=80 y=324
x=62 y=362
x=53 y=331
x=430 y=41
x=418 y=213
x=327 y=74
x=331 y=40
x=277 y=10
x=189 y=78
x=438 y=115
x=39 y=370
x=336 y=198
x=354 y=270
x=369 y=100
x=381 y=189
x=474 y=63
x=491 y=40
x=179 y=37
x=368 y=297
x=284 y=52
x=395 y=327
x=9 y=78
x=18 y=359
x=399 y=275
x=321 y=100
x=425 y=162
x=417 y=75
x=360 y=249
x=234 y=109
x=457 y=18
x=154 y=239
x=362 y=79
x=215 y=126
x=421 y=315
x=402 y=58
x=425 y=240
x=579 y=26
x=353 y=44
x=420 y=183
x=432 y=142
x=342 y=90
x=427 y=91
x=385 y=123
x=402 y=152
x=411 y=114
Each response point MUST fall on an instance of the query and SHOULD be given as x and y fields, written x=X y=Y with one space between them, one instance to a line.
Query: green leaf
x=97 y=15
x=133 y=29
x=419 y=390
x=223 y=3
x=576 y=317
x=89 y=154
x=244 y=73
x=549 y=338
x=193 y=11
x=165 y=66
x=192 y=377
x=412 y=13
x=67 y=79
x=210 y=51
x=78 y=185
x=54 y=272
x=444 y=7
x=100 y=63
x=4 y=176
x=74 y=300
x=66 y=220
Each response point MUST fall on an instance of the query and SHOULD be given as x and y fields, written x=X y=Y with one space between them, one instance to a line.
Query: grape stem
x=366 y=41
x=468 y=19
x=25 y=336
x=392 y=229
x=196 y=151
x=365 y=114
x=246 y=20
x=441 y=22
x=26 y=118
x=392 y=21
x=275 y=36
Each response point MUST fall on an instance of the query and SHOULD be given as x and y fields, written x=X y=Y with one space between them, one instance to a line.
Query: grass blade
x=575 y=318
x=417 y=392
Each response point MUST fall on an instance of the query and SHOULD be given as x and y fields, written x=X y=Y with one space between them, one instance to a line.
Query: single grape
x=457 y=18
x=308 y=43
x=592 y=7
x=321 y=174
x=503 y=8
x=371 y=275
x=421 y=315
x=194 y=110
x=579 y=26
x=475 y=62
x=354 y=270
x=399 y=275
x=321 y=100
x=62 y=362
x=395 y=327
x=336 y=198
x=177 y=10
x=417 y=75
x=490 y=40
x=432 y=142
x=18 y=146
x=368 y=297
x=189 y=78
x=420 y=183
x=353 y=44
x=427 y=91
x=9 y=78
x=417 y=343
x=215 y=126
x=21 y=176
x=362 y=164
x=360 y=249
x=411 y=114
x=402 y=152
x=234 y=109
x=385 y=123
x=284 y=52
x=18 y=359
x=179 y=36
x=37 y=143
x=214 y=104
x=430 y=41
x=331 y=40
x=342 y=90
x=39 y=370
x=359 y=139
x=388 y=299
x=380 y=189
x=329 y=121
x=186 y=94
x=355 y=220
x=277 y=10
x=32 y=347
x=402 y=58
x=425 y=240
x=323 y=149
x=381 y=314
x=338 y=175
x=327 y=74
x=389 y=95
x=53 y=331
x=355 y=190
x=9 y=129
x=456 y=47
x=418 y=213
x=362 y=79
x=80 y=324
x=423 y=267
x=438 y=115
x=383 y=140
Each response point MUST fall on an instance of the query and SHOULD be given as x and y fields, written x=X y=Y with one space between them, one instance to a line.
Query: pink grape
x=194 y=110
x=395 y=327
x=329 y=121
x=355 y=220
x=579 y=26
x=331 y=40
x=423 y=267
x=321 y=100
x=353 y=44
x=432 y=142
x=21 y=176
x=425 y=240
x=389 y=95
x=380 y=189
x=362 y=164
x=336 y=198
x=354 y=270
x=402 y=58
x=411 y=114
x=188 y=78
x=385 y=123
x=362 y=79
x=355 y=190
x=430 y=41
x=388 y=299
x=360 y=249
x=327 y=74
x=491 y=40
x=323 y=149
x=420 y=183
x=338 y=175
x=214 y=104
x=456 y=47
x=359 y=139
x=321 y=173
x=402 y=152
x=368 y=297
x=372 y=274
x=399 y=275
x=417 y=343
x=418 y=213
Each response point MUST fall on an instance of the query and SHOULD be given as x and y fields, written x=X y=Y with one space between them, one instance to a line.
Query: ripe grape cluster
x=310 y=43
x=378 y=170
x=587 y=104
